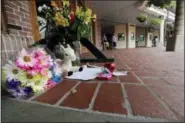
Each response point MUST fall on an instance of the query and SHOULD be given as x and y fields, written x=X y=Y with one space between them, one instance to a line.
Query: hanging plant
x=142 y=18
x=159 y=3
x=155 y=21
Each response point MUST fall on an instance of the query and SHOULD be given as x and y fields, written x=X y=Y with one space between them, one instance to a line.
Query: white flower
x=48 y=8
x=11 y=71
x=69 y=16
x=44 y=6
x=25 y=59
x=39 y=9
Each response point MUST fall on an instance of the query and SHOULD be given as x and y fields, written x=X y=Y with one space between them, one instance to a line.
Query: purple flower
x=18 y=93
x=28 y=90
x=15 y=89
x=12 y=84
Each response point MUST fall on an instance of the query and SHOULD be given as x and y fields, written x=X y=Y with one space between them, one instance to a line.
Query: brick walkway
x=153 y=88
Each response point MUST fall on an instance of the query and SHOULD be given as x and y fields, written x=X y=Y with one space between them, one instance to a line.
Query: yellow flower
x=66 y=22
x=87 y=20
x=53 y=4
x=25 y=78
x=94 y=16
x=66 y=3
x=37 y=82
x=88 y=12
x=77 y=10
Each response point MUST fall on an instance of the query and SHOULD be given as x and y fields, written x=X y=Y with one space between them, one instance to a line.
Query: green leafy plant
x=159 y=3
x=155 y=21
x=142 y=18
x=171 y=5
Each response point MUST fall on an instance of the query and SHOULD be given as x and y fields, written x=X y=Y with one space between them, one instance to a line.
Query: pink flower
x=39 y=53
x=50 y=84
x=25 y=60
x=33 y=71
x=43 y=62
x=45 y=72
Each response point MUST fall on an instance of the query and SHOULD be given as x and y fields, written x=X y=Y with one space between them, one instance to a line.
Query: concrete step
x=23 y=111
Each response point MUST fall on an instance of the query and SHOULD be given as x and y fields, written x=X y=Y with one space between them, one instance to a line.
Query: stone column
x=161 y=32
x=127 y=35
x=177 y=42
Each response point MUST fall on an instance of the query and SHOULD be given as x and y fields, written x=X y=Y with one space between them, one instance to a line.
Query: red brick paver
x=56 y=93
x=130 y=78
x=162 y=72
x=150 y=74
x=110 y=99
x=143 y=103
x=82 y=98
x=174 y=80
x=173 y=96
x=154 y=81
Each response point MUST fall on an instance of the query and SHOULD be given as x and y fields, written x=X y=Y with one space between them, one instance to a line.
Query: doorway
x=140 y=37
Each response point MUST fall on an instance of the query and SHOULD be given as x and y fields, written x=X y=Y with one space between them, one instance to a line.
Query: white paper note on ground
x=120 y=73
x=86 y=74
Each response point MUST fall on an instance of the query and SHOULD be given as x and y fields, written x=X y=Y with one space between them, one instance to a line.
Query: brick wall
x=17 y=15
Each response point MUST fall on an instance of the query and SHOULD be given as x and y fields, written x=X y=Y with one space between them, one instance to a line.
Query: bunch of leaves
x=142 y=17
x=155 y=21
x=159 y=3
x=171 y=5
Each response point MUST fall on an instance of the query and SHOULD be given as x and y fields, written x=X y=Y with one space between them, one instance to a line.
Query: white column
x=162 y=31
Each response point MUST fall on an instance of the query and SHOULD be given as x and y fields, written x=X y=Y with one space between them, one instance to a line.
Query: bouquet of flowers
x=29 y=73
x=69 y=25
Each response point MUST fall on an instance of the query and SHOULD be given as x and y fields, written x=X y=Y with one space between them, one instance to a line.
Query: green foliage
x=159 y=3
x=142 y=17
x=155 y=21
x=171 y=5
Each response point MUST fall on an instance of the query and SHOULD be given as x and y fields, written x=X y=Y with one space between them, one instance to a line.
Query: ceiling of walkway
x=113 y=12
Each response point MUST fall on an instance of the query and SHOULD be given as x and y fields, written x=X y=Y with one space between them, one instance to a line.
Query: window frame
x=4 y=27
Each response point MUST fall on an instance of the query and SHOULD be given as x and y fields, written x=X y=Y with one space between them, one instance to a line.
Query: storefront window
x=121 y=36
x=132 y=36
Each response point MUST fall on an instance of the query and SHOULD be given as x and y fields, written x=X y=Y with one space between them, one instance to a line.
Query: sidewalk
x=154 y=87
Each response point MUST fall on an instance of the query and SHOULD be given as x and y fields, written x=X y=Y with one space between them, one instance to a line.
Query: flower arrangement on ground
x=30 y=73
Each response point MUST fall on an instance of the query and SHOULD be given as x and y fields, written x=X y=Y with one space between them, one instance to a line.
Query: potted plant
x=155 y=21
x=142 y=17
x=159 y=3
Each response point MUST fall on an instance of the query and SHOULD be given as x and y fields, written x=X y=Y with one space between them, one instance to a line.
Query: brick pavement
x=153 y=88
